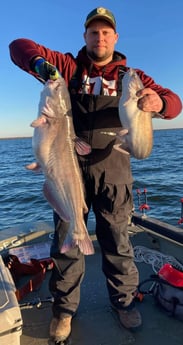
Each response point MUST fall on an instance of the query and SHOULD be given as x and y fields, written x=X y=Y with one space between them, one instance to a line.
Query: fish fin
x=120 y=148
x=33 y=166
x=122 y=133
x=53 y=202
x=39 y=122
x=85 y=209
x=82 y=148
x=122 y=136
x=85 y=245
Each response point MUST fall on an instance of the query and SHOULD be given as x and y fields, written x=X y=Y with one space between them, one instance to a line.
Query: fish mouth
x=43 y=113
x=48 y=115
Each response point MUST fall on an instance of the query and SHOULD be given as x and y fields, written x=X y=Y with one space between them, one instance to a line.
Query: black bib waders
x=108 y=189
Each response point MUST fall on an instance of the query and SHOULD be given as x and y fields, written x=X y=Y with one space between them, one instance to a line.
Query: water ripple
x=161 y=174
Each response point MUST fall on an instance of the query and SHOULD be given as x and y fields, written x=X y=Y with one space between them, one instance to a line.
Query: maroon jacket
x=23 y=52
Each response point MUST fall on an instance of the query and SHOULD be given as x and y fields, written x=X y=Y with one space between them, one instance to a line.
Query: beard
x=93 y=56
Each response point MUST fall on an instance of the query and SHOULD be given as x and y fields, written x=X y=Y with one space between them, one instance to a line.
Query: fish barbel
x=54 y=145
x=137 y=133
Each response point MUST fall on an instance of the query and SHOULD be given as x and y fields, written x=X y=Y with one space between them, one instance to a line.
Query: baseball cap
x=101 y=13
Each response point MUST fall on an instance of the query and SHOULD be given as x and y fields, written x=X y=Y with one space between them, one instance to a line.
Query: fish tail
x=33 y=166
x=85 y=245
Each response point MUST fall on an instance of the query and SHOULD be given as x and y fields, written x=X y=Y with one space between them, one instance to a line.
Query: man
x=94 y=82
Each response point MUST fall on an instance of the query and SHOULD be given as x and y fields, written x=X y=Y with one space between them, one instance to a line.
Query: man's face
x=100 y=40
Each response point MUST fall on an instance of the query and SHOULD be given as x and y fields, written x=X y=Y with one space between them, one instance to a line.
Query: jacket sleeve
x=23 y=51
x=172 y=102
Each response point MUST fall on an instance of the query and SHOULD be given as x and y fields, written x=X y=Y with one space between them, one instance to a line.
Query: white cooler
x=10 y=315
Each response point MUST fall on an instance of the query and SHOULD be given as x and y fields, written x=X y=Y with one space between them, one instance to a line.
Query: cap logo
x=101 y=10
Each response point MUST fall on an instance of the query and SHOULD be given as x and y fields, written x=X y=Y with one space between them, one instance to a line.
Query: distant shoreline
x=9 y=138
x=28 y=137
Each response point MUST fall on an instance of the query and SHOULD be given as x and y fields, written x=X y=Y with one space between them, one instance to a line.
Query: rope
x=155 y=258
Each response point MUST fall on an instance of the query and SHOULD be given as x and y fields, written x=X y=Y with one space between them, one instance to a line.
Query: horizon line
x=30 y=136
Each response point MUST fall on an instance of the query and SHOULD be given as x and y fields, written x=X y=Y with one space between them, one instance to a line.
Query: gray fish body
x=53 y=145
x=137 y=133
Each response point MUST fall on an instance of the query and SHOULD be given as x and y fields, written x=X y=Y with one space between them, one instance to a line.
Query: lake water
x=161 y=174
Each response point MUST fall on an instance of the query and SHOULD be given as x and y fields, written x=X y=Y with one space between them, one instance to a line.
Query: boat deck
x=95 y=322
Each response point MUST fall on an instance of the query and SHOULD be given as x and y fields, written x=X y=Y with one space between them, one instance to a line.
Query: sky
x=150 y=35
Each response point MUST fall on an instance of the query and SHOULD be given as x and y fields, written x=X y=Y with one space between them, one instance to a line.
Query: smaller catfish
x=137 y=133
x=55 y=145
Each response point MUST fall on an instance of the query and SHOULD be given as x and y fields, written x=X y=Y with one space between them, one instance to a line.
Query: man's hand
x=149 y=100
x=46 y=70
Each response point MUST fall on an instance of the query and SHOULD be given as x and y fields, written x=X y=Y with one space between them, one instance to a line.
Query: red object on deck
x=35 y=272
x=172 y=275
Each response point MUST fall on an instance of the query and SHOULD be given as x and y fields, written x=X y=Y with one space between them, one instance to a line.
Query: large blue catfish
x=137 y=133
x=55 y=145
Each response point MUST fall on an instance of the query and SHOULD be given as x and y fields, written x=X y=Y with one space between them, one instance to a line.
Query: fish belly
x=136 y=135
x=54 y=150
